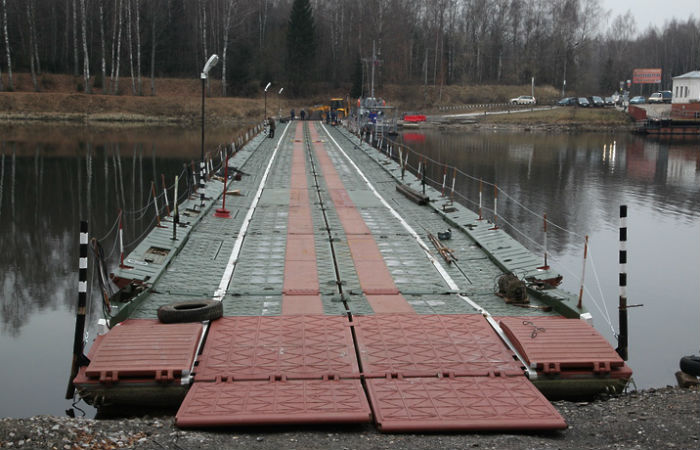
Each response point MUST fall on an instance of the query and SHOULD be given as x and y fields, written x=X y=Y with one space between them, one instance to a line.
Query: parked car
x=661 y=97
x=597 y=102
x=523 y=100
x=656 y=97
x=638 y=100
x=609 y=101
x=583 y=102
x=567 y=101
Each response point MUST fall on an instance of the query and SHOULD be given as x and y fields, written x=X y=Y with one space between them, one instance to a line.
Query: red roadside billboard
x=645 y=76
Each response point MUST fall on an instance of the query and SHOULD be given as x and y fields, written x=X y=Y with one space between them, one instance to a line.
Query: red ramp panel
x=460 y=404
x=416 y=345
x=553 y=344
x=141 y=348
x=274 y=403
x=295 y=346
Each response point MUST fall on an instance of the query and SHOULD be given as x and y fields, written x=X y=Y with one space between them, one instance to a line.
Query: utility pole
x=373 y=62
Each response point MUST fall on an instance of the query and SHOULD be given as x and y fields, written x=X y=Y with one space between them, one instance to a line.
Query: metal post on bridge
x=481 y=190
x=583 y=274
x=545 y=266
x=176 y=210
x=495 y=208
x=165 y=193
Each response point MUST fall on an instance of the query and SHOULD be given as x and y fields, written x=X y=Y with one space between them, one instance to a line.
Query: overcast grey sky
x=654 y=12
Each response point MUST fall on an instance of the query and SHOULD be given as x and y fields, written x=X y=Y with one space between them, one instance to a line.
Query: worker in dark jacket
x=271 y=122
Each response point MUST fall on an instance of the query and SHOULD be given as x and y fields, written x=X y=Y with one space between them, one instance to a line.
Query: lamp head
x=280 y=92
x=211 y=62
x=268 y=86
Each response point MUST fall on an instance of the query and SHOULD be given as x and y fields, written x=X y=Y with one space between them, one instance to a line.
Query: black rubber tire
x=191 y=311
x=691 y=365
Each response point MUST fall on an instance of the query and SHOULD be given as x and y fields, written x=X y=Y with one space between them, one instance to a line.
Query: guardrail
x=481 y=106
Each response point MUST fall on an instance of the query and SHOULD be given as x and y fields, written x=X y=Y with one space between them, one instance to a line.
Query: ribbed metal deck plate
x=296 y=347
x=552 y=344
x=146 y=349
x=428 y=345
x=274 y=403
x=459 y=404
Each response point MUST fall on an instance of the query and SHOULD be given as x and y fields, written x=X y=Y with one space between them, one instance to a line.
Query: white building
x=686 y=87
x=685 y=104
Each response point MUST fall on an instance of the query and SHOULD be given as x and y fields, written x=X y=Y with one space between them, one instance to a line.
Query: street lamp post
x=266 y=88
x=211 y=62
x=279 y=103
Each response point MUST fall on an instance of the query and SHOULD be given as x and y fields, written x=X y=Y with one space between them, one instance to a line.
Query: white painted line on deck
x=446 y=276
x=233 y=258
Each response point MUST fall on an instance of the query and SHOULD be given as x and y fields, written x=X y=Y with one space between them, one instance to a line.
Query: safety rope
x=436 y=184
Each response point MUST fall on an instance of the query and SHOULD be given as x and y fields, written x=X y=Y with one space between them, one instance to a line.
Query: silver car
x=523 y=100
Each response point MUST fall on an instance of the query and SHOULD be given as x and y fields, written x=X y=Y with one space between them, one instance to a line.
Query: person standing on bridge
x=271 y=122
x=302 y=114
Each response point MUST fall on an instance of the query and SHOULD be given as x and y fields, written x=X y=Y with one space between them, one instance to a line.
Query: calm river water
x=49 y=176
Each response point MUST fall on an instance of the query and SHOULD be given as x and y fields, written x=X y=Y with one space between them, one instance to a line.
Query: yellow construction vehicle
x=341 y=108
x=338 y=108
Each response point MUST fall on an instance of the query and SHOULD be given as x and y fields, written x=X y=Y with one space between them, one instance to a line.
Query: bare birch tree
x=7 y=45
x=102 y=44
x=262 y=20
x=76 y=64
x=131 y=46
x=227 y=27
x=153 y=49
x=30 y=22
x=115 y=69
x=139 y=90
x=86 y=58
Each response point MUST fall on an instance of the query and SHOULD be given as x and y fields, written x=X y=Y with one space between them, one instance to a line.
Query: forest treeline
x=119 y=46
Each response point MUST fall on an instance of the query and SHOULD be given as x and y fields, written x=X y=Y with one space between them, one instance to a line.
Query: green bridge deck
x=256 y=287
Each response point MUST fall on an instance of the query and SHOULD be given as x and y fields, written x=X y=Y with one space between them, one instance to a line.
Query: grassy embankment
x=593 y=119
x=178 y=102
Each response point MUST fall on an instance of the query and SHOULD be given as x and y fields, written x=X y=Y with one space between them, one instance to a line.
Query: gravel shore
x=651 y=419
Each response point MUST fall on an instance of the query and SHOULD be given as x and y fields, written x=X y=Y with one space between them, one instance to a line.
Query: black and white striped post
x=79 y=358
x=176 y=210
x=202 y=172
x=622 y=312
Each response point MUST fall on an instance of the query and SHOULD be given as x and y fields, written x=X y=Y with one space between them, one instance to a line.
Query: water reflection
x=50 y=179
x=579 y=181
x=566 y=177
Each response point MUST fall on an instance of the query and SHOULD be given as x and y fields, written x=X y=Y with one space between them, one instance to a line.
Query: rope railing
x=154 y=195
x=417 y=166
x=215 y=160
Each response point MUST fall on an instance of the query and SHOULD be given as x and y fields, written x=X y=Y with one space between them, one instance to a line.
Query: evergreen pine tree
x=356 y=89
x=301 y=44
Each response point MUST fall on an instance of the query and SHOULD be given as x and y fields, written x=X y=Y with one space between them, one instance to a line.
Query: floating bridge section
x=336 y=310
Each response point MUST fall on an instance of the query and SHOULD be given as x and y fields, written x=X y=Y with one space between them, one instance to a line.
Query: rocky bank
x=651 y=419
